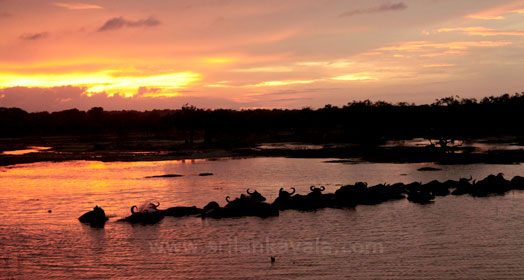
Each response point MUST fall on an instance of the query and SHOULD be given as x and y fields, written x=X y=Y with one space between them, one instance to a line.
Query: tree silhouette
x=363 y=122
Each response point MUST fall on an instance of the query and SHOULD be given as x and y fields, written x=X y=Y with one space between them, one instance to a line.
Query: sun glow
x=105 y=81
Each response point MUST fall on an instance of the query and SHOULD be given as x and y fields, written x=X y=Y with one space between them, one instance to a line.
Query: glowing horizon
x=239 y=54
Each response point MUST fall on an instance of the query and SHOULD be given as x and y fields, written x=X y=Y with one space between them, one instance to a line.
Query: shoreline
x=344 y=154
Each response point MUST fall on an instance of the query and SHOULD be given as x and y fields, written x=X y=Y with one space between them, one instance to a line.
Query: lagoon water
x=453 y=238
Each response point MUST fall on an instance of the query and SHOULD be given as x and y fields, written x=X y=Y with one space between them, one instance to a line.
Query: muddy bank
x=356 y=154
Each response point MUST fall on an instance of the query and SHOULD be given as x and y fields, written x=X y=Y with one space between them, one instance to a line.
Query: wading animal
x=147 y=213
x=251 y=204
x=96 y=217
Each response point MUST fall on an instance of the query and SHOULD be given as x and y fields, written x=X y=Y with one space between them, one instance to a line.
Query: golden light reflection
x=96 y=165
x=28 y=150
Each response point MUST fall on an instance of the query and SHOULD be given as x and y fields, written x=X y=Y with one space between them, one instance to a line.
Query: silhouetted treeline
x=358 y=121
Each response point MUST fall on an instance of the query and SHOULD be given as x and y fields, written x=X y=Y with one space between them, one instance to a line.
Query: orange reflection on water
x=73 y=187
x=30 y=149
x=42 y=245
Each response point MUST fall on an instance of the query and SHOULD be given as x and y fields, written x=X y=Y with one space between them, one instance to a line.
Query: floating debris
x=164 y=176
x=429 y=169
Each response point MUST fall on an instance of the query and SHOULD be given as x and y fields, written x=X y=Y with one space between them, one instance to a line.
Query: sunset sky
x=137 y=54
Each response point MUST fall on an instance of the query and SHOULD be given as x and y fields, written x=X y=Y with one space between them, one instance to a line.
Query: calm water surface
x=454 y=238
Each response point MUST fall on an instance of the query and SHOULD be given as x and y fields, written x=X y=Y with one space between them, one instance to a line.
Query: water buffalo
x=283 y=199
x=437 y=188
x=316 y=192
x=145 y=214
x=180 y=211
x=359 y=193
x=96 y=217
x=285 y=194
x=251 y=204
x=382 y=192
x=311 y=201
x=243 y=200
x=517 y=183
x=417 y=193
x=210 y=206
x=493 y=184
x=462 y=186
x=420 y=196
x=255 y=195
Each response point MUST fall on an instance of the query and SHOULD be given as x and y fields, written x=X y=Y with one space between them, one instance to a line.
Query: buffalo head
x=256 y=195
x=148 y=207
x=98 y=210
x=285 y=194
x=317 y=190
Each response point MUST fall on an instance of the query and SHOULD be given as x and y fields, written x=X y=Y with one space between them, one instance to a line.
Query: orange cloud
x=219 y=60
x=76 y=6
x=336 y=64
x=370 y=53
x=482 y=31
x=498 y=12
x=282 y=83
x=386 y=7
x=327 y=64
x=220 y=84
x=437 y=65
x=448 y=52
x=354 y=77
x=346 y=77
x=420 y=46
x=265 y=69
x=271 y=37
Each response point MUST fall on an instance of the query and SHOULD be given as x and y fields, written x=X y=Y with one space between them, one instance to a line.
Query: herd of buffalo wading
x=252 y=203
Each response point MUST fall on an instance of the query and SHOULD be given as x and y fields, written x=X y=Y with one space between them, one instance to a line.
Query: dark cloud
x=34 y=36
x=39 y=99
x=120 y=22
x=378 y=9
x=4 y=14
